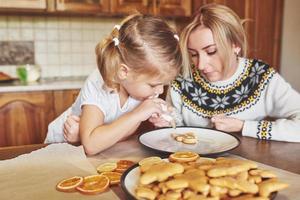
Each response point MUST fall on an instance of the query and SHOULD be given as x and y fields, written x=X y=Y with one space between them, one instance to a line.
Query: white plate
x=210 y=142
x=129 y=181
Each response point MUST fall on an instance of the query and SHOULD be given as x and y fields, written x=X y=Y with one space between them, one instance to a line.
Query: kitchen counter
x=59 y=83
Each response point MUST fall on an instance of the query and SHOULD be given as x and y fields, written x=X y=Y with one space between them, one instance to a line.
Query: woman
x=220 y=88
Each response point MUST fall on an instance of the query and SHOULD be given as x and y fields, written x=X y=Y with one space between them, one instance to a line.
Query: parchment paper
x=35 y=175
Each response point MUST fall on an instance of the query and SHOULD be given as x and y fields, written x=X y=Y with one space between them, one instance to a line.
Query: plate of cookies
x=206 y=142
x=185 y=175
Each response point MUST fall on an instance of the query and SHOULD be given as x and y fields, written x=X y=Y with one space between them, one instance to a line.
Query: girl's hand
x=71 y=129
x=227 y=124
x=148 y=108
x=158 y=120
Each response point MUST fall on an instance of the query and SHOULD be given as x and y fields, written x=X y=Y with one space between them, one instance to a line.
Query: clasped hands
x=227 y=124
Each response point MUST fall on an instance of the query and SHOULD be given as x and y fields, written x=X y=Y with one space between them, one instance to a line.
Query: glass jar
x=29 y=73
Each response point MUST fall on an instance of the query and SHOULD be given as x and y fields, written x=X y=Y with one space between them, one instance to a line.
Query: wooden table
x=283 y=155
x=277 y=154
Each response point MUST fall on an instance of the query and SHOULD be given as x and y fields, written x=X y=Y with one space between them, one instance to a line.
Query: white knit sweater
x=253 y=93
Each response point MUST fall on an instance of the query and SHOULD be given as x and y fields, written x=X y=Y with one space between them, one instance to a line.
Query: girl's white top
x=92 y=93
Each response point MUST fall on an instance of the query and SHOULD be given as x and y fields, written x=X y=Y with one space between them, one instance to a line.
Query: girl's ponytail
x=108 y=59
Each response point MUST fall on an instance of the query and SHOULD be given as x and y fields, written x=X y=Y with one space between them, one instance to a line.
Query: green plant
x=22 y=74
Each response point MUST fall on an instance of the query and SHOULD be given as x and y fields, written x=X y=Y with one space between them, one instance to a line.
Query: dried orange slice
x=150 y=160
x=93 y=184
x=69 y=185
x=114 y=177
x=122 y=165
x=107 y=167
x=183 y=156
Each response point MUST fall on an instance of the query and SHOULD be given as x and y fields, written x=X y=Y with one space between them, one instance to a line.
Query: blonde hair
x=146 y=44
x=227 y=29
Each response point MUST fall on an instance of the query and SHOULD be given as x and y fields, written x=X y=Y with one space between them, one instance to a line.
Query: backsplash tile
x=16 y=53
x=62 y=46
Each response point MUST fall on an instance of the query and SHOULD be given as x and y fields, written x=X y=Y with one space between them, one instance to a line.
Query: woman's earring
x=237 y=52
x=237 y=55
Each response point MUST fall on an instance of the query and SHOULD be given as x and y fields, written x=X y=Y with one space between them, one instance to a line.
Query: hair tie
x=116 y=41
x=176 y=37
x=117 y=26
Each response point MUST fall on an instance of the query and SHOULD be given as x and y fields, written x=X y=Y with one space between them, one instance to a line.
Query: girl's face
x=142 y=87
x=205 y=56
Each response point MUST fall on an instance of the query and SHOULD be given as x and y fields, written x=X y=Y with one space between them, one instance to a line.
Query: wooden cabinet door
x=172 y=8
x=83 y=6
x=63 y=99
x=263 y=26
x=168 y=8
x=23 y=4
x=129 y=6
x=24 y=117
x=265 y=30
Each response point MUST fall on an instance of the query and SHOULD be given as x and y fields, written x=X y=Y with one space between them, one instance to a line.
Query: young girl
x=220 y=88
x=135 y=62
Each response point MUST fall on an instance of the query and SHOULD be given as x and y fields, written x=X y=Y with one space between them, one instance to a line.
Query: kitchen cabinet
x=55 y=6
x=24 y=116
x=170 y=8
x=173 y=8
x=63 y=99
x=263 y=26
x=83 y=6
x=128 y=6
x=23 y=4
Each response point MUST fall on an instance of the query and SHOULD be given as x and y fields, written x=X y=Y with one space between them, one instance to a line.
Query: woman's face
x=205 y=56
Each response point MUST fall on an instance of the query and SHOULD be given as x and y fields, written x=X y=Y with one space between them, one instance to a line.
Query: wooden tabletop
x=283 y=155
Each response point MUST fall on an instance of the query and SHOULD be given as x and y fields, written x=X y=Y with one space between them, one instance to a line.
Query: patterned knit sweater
x=253 y=93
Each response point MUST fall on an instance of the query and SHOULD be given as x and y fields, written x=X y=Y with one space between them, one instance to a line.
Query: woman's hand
x=71 y=129
x=227 y=124
x=158 y=120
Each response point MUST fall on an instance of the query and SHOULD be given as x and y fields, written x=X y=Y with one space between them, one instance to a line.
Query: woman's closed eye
x=212 y=52
x=193 y=54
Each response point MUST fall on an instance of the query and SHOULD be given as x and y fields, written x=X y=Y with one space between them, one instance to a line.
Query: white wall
x=64 y=46
x=290 y=55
